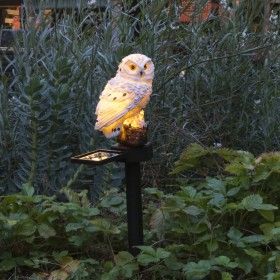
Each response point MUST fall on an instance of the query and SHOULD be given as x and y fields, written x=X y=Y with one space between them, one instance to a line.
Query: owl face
x=137 y=67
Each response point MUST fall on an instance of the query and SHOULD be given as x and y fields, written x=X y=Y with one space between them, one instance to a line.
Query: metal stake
x=132 y=158
x=134 y=206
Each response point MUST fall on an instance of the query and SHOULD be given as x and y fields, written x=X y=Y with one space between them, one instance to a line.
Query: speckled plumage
x=125 y=95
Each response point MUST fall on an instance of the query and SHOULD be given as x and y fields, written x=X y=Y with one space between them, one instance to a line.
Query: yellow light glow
x=98 y=156
x=137 y=121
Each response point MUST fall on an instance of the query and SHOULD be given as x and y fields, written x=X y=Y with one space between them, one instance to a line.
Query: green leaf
x=235 y=236
x=226 y=276
x=26 y=228
x=58 y=256
x=129 y=269
x=267 y=228
x=225 y=261
x=145 y=259
x=233 y=191
x=7 y=264
x=256 y=238
x=73 y=227
x=273 y=276
x=123 y=258
x=212 y=245
x=189 y=158
x=255 y=202
x=147 y=250
x=252 y=202
x=216 y=185
x=154 y=191
x=149 y=255
x=27 y=189
x=245 y=264
x=46 y=231
x=172 y=263
x=218 y=200
x=197 y=271
x=254 y=254
x=157 y=221
x=268 y=215
x=162 y=254
x=193 y=210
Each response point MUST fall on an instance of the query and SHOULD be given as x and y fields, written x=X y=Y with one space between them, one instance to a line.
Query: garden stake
x=132 y=157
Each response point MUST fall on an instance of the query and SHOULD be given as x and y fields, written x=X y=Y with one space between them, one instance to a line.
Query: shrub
x=209 y=88
x=221 y=222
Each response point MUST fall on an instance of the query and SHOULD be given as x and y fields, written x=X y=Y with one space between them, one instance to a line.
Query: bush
x=222 y=222
x=215 y=84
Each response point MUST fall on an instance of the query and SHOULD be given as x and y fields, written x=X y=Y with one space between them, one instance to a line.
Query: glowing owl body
x=125 y=95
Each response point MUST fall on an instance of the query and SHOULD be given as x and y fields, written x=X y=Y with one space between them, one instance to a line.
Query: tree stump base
x=133 y=136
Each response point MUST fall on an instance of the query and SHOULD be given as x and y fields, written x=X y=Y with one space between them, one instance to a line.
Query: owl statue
x=125 y=96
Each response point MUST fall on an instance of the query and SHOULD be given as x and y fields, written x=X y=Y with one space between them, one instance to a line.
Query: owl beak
x=141 y=73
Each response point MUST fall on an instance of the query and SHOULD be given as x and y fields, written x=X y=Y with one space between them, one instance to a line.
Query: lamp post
x=131 y=157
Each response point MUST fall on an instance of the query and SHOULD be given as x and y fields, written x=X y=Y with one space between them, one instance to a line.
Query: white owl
x=125 y=95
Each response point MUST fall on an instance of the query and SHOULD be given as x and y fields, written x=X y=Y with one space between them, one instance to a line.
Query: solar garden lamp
x=120 y=113
x=131 y=157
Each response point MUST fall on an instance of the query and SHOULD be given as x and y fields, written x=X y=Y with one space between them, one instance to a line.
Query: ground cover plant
x=220 y=222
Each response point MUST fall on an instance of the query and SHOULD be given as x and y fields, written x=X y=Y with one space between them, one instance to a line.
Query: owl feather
x=123 y=97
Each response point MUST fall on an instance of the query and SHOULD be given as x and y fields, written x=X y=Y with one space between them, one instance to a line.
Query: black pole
x=132 y=158
x=134 y=206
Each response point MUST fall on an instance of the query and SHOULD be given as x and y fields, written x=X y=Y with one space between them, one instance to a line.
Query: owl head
x=137 y=67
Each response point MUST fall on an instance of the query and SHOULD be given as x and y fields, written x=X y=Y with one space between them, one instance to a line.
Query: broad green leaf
x=146 y=259
x=216 y=185
x=268 y=215
x=123 y=258
x=233 y=191
x=197 y=271
x=147 y=250
x=267 y=228
x=225 y=261
x=252 y=202
x=129 y=269
x=193 y=210
x=27 y=189
x=254 y=253
x=212 y=245
x=7 y=264
x=227 y=276
x=245 y=264
x=172 y=263
x=73 y=227
x=46 y=231
x=26 y=228
x=256 y=238
x=154 y=191
x=162 y=254
x=218 y=200
x=236 y=237
x=157 y=220
x=59 y=275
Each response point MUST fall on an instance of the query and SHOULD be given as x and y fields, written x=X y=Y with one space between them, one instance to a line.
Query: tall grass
x=216 y=83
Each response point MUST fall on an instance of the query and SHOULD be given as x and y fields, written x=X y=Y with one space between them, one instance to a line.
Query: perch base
x=132 y=136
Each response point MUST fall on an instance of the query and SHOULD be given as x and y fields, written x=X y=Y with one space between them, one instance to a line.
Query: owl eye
x=145 y=67
x=132 y=67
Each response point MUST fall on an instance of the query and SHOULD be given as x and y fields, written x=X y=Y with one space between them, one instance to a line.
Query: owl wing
x=115 y=102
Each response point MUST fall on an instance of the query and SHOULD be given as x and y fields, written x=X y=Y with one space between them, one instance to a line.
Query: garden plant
x=211 y=203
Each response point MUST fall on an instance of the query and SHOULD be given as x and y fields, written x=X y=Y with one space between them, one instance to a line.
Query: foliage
x=215 y=84
x=221 y=222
